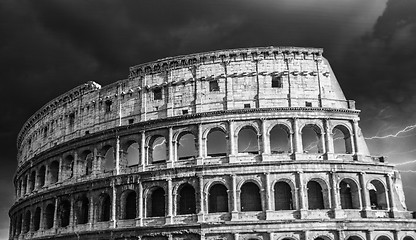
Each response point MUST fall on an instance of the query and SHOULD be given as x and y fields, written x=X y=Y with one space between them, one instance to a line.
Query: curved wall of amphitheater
x=255 y=143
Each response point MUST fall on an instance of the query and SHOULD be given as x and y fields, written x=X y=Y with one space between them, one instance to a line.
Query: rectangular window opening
x=214 y=86
x=108 y=104
x=277 y=82
x=131 y=121
x=247 y=105
x=157 y=94
x=87 y=132
x=308 y=104
x=71 y=119
x=185 y=111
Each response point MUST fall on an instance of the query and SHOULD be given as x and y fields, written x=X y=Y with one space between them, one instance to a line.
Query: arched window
x=311 y=139
x=68 y=167
x=109 y=159
x=354 y=238
x=81 y=210
x=342 y=140
x=279 y=140
x=53 y=172
x=156 y=203
x=130 y=205
x=248 y=141
x=383 y=238
x=158 y=151
x=283 y=196
x=49 y=216
x=218 y=199
x=250 y=197
x=36 y=219
x=26 y=226
x=87 y=158
x=41 y=176
x=315 y=195
x=216 y=143
x=348 y=192
x=133 y=154
x=32 y=181
x=186 y=200
x=377 y=192
x=104 y=208
x=186 y=146
x=64 y=213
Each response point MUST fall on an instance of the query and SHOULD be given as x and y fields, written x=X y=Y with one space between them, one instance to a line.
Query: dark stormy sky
x=49 y=47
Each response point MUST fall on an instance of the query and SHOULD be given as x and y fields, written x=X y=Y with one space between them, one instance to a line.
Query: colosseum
x=242 y=144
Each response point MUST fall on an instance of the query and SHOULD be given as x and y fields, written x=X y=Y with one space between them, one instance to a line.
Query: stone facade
x=207 y=146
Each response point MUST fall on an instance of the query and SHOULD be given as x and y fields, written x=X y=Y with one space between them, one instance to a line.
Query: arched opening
x=315 y=195
x=68 y=167
x=408 y=238
x=348 y=192
x=104 y=208
x=53 y=172
x=133 y=154
x=19 y=224
x=283 y=196
x=248 y=140
x=64 y=213
x=36 y=219
x=216 y=143
x=109 y=159
x=311 y=139
x=24 y=185
x=186 y=146
x=378 y=200
x=129 y=205
x=49 y=215
x=279 y=140
x=218 y=199
x=41 y=176
x=383 y=238
x=354 y=238
x=342 y=140
x=156 y=203
x=158 y=150
x=186 y=200
x=81 y=210
x=26 y=226
x=32 y=181
x=87 y=158
x=250 y=197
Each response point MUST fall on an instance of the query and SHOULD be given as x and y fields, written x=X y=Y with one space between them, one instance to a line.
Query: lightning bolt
x=249 y=144
x=404 y=163
x=159 y=144
x=396 y=135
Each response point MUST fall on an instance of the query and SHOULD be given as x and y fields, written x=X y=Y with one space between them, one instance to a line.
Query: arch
x=41 y=176
x=133 y=154
x=250 y=198
x=186 y=145
x=383 y=237
x=216 y=142
x=342 y=139
x=315 y=195
x=26 y=226
x=68 y=167
x=24 y=185
x=81 y=210
x=158 y=149
x=323 y=237
x=87 y=157
x=36 y=219
x=312 y=139
x=53 y=172
x=129 y=204
x=156 y=202
x=349 y=194
x=248 y=140
x=109 y=158
x=186 y=199
x=32 y=181
x=49 y=216
x=104 y=207
x=283 y=199
x=218 y=198
x=64 y=210
x=408 y=238
x=377 y=192
x=279 y=137
x=354 y=237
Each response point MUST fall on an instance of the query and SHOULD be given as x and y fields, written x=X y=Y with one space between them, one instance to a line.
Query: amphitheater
x=242 y=144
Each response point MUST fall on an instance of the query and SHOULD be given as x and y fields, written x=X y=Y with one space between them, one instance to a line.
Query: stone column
x=200 y=158
x=76 y=171
x=268 y=196
x=114 y=203
x=169 y=218
x=72 y=223
x=139 y=221
x=391 y=193
x=231 y=138
x=329 y=140
x=143 y=151
x=117 y=157
x=55 y=214
x=336 y=203
x=171 y=149
x=301 y=190
x=356 y=144
x=297 y=138
x=91 y=215
x=201 y=214
x=264 y=138
x=364 y=192
x=234 y=213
